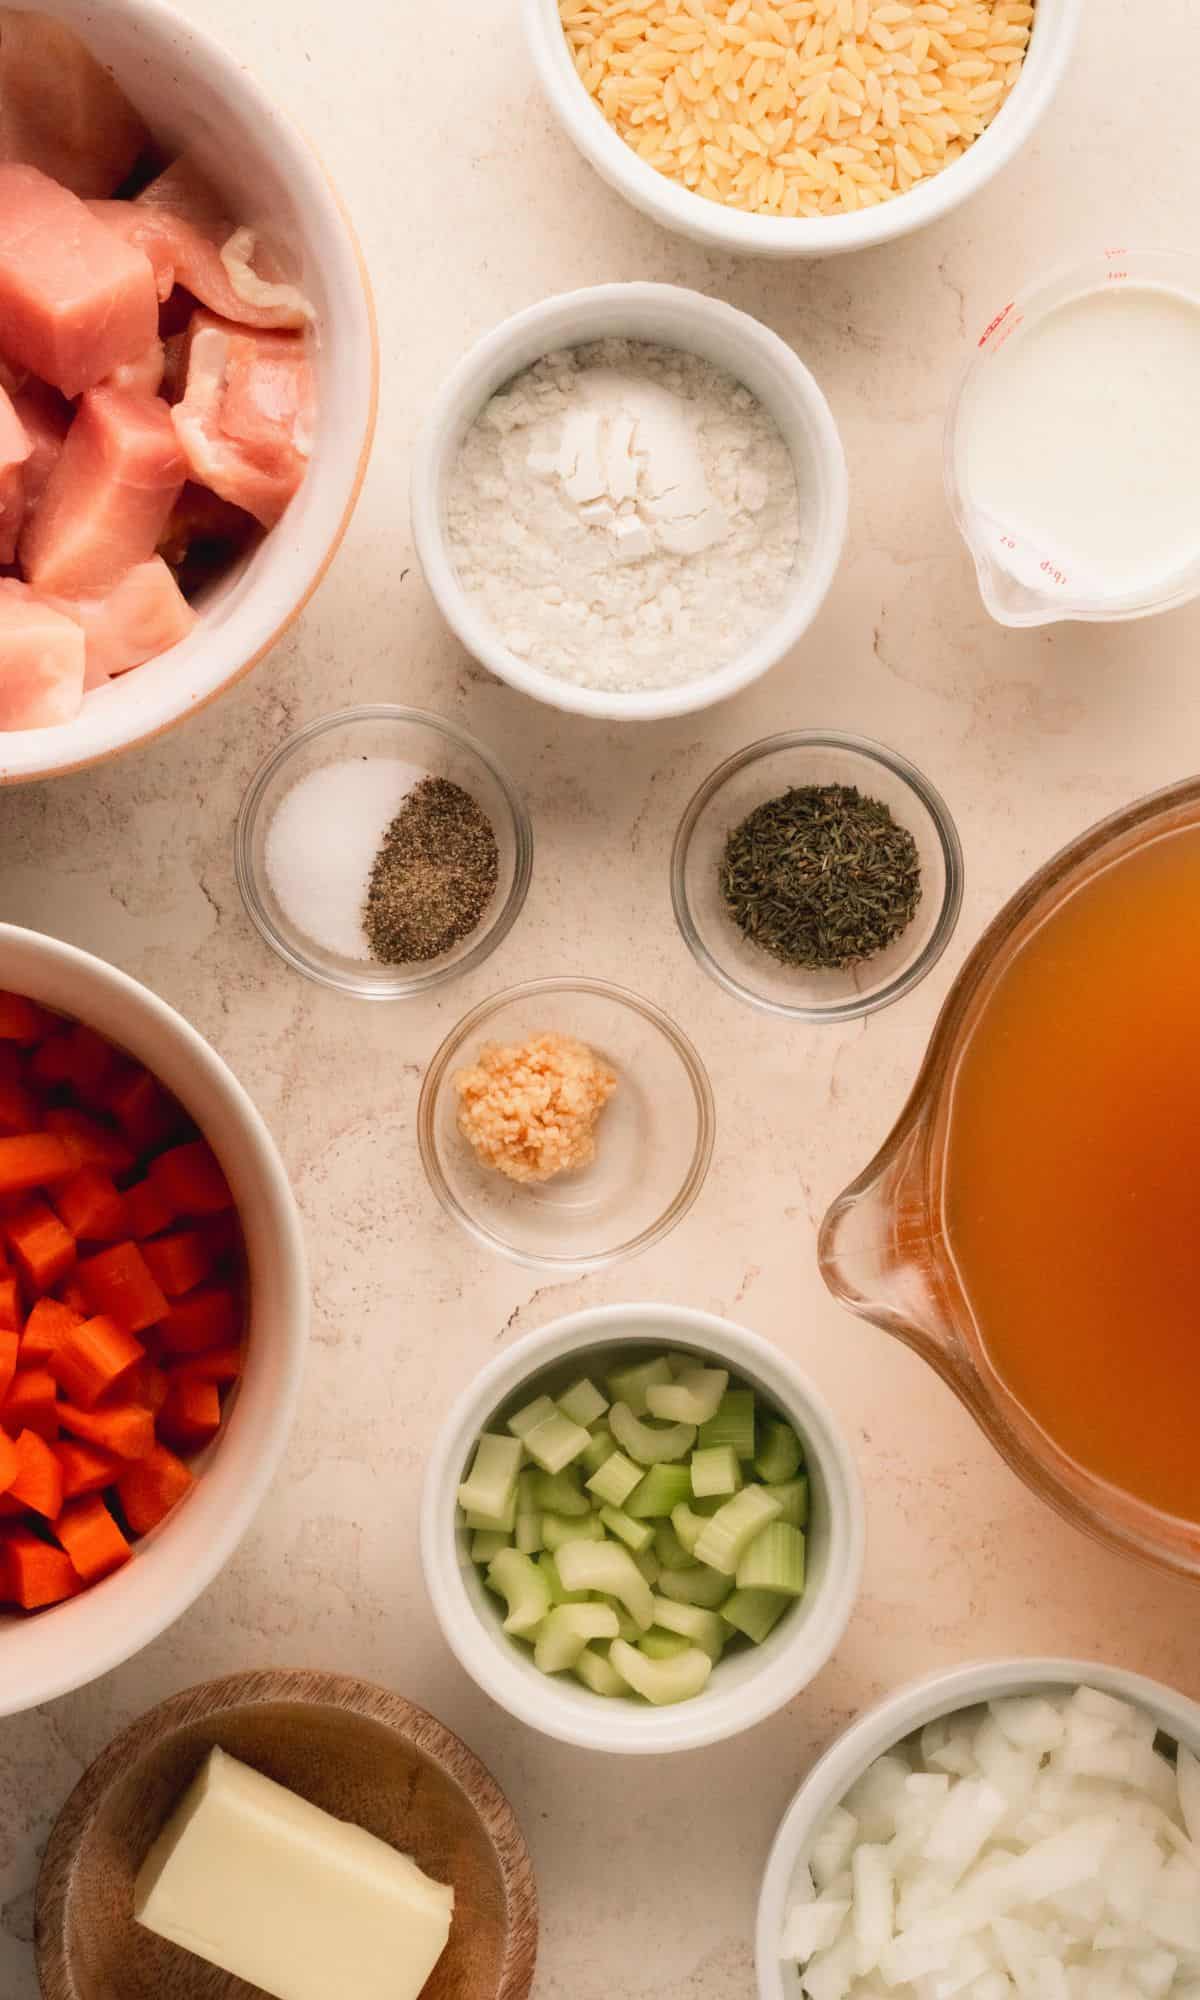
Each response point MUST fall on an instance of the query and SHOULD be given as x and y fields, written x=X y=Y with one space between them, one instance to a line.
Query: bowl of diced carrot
x=153 y=1309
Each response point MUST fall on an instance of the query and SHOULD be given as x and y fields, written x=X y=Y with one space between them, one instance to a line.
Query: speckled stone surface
x=471 y=204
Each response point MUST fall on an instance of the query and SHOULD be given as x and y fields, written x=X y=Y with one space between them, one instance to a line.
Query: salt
x=322 y=843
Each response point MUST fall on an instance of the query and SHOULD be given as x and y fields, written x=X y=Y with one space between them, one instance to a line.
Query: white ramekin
x=61 y=1648
x=887 y=1724
x=747 y=1686
x=673 y=317
x=1055 y=25
x=198 y=97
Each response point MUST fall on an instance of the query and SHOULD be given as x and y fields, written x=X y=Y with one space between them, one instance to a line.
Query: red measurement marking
x=1116 y=253
x=1056 y=575
x=1007 y=542
x=1115 y=277
x=999 y=320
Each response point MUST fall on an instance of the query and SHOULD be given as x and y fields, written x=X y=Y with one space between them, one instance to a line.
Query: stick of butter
x=272 y=1889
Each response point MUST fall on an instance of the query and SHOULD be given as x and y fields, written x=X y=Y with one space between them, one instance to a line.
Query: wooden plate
x=356 y=1750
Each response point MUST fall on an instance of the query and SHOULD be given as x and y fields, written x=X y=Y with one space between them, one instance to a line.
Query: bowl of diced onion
x=1020 y=1827
x=642 y=1529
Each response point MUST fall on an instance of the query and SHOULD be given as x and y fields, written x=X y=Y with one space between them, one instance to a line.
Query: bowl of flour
x=630 y=501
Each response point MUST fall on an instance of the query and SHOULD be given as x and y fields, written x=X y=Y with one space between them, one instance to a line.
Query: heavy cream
x=1079 y=445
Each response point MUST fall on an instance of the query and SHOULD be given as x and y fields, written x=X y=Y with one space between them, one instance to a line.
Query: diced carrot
x=85 y=1468
x=148 y=1491
x=93 y=1063
x=125 y=1429
x=223 y=1235
x=42 y=1247
x=146 y=1211
x=32 y=1403
x=10 y=1348
x=22 y=1020
x=119 y=1282
x=37 y=1573
x=204 y=1318
x=143 y=1110
x=89 y=1142
x=32 y=1159
x=180 y=1261
x=191 y=1415
x=39 y=1482
x=191 y=1179
x=10 y=1509
x=215 y=1364
x=146 y=1383
x=10 y=1305
x=92 y=1539
x=92 y=1357
x=48 y=1321
x=51 y=1064
x=92 y=1206
x=19 y=1108
x=10 y=1462
x=72 y=1294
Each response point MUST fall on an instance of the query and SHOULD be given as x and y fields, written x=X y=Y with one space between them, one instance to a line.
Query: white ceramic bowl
x=45 y=1656
x=895 y=1718
x=730 y=229
x=673 y=317
x=195 y=96
x=747 y=1685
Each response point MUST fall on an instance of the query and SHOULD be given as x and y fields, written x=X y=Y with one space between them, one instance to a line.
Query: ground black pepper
x=434 y=875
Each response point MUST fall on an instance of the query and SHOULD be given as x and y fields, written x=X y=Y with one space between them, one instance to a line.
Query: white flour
x=626 y=515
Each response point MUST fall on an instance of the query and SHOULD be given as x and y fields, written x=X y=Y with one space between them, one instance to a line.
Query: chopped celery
x=774 y=1561
x=596 y=1673
x=695 y=1585
x=693 y=1398
x=636 y=1535
x=662 y=1489
x=661 y=1681
x=629 y=1385
x=658 y=1645
x=792 y=1496
x=733 y=1423
x=558 y=1529
x=583 y=1403
x=680 y=1363
x=754 y=1612
x=523 y=1588
x=715 y=1469
x=565 y=1631
x=528 y=1534
x=702 y=1628
x=560 y=1493
x=733 y=1527
x=553 y=1443
x=531 y=1416
x=607 y=1567
x=492 y=1481
x=779 y=1455
x=600 y=1446
x=491 y=1523
x=688 y=1527
x=649 y=1565
x=627 y=1627
x=615 y=1479
x=647 y=1446
x=669 y=1549
x=486 y=1543
x=549 y=1569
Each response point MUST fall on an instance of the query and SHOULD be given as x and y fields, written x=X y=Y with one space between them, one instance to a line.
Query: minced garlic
x=529 y=1110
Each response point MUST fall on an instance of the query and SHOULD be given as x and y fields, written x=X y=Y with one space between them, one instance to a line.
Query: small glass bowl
x=654 y=1137
x=436 y=747
x=763 y=771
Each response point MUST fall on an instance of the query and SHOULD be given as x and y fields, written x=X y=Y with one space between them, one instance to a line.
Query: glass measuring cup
x=1026 y=581
x=883 y=1246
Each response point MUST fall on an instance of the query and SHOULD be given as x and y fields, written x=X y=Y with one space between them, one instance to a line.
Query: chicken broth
x=1071 y=1192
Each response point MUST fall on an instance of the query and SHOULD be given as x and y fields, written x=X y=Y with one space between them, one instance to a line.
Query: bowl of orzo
x=799 y=128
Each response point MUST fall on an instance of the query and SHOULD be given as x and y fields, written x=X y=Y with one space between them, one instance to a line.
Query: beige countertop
x=471 y=204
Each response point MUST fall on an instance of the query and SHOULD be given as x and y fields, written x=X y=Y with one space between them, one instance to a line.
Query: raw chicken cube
x=181 y=189
x=15 y=450
x=42 y=660
x=245 y=422
x=183 y=252
x=75 y=301
x=45 y=418
x=59 y=110
x=143 y=615
x=145 y=375
x=108 y=498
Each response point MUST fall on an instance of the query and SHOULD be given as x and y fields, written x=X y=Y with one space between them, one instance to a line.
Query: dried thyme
x=434 y=875
x=821 y=877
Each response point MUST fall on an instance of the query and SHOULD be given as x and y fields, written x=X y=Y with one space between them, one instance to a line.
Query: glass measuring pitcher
x=1030 y=573
x=885 y=1249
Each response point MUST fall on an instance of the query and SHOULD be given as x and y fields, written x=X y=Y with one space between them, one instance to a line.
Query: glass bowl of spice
x=382 y=850
x=566 y=1124
x=817 y=876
